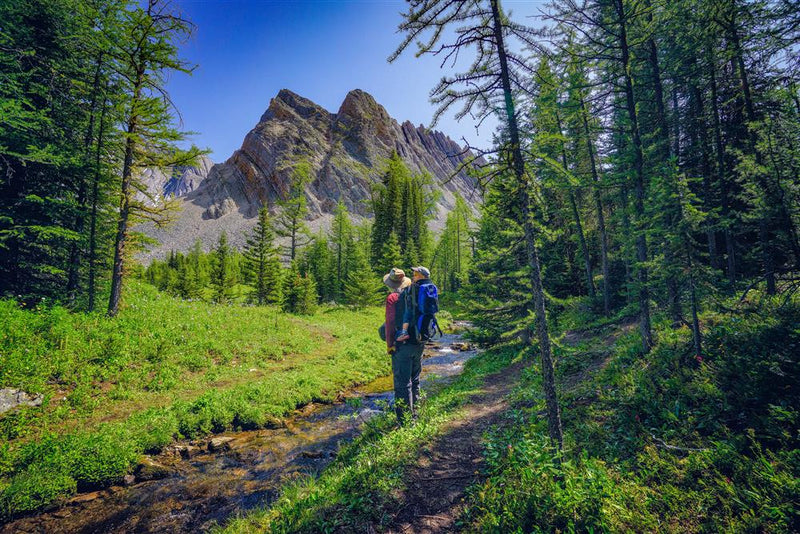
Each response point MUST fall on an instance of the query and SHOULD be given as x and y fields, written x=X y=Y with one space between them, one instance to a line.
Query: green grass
x=164 y=369
x=361 y=486
x=665 y=442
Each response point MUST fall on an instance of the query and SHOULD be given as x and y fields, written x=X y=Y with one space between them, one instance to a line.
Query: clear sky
x=248 y=50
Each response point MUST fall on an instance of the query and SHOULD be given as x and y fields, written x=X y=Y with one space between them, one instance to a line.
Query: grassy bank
x=668 y=442
x=361 y=486
x=164 y=369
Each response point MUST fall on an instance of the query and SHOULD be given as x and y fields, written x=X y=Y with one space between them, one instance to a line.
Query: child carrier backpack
x=426 y=306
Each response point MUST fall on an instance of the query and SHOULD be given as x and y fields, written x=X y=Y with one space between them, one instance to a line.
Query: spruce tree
x=260 y=257
x=290 y=221
x=221 y=279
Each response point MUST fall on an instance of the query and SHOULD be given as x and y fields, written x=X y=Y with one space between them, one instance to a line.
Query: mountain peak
x=287 y=102
x=346 y=152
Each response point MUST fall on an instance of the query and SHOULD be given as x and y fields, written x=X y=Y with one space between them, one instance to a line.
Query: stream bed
x=200 y=484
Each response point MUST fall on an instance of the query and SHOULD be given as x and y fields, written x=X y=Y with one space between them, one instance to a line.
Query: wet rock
x=219 y=443
x=187 y=451
x=312 y=454
x=150 y=470
x=11 y=398
x=461 y=347
x=85 y=497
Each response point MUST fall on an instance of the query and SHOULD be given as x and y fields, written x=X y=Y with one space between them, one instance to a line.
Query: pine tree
x=148 y=51
x=261 y=257
x=290 y=221
x=221 y=279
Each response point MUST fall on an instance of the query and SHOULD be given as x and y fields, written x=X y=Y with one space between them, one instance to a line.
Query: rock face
x=346 y=151
x=180 y=182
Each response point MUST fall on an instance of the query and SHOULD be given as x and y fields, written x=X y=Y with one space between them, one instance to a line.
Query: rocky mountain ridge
x=346 y=152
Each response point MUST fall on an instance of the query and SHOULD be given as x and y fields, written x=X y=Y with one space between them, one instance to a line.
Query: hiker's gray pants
x=406 y=368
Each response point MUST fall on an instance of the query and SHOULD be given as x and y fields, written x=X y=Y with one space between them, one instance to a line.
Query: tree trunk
x=124 y=201
x=764 y=226
x=730 y=245
x=73 y=277
x=601 y=220
x=705 y=171
x=663 y=149
x=641 y=239
x=548 y=373
x=587 y=263
x=92 y=287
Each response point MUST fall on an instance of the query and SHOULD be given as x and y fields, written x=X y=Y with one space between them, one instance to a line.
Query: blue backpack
x=426 y=306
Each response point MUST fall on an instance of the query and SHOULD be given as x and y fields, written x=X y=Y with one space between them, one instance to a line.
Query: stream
x=202 y=483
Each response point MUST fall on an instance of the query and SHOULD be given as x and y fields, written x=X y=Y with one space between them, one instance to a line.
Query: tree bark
x=548 y=373
x=641 y=239
x=601 y=220
x=124 y=201
x=92 y=288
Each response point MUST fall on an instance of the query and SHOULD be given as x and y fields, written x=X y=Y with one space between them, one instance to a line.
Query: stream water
x=208 y=481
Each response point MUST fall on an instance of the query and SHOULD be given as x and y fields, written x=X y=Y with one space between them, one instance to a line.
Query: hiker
x=406 y=356
x=415 y=314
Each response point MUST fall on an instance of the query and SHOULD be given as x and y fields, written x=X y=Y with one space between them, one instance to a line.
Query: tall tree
x=261 y=260
x=145 y=54
x=490 y=78
x=290 y=222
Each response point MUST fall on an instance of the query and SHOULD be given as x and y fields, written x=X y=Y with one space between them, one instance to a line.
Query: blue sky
x=246 y=51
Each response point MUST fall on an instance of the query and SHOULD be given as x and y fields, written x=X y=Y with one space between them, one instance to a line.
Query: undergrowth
x=667 y=442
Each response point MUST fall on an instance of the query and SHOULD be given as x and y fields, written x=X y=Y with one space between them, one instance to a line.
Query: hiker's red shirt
x=391 y=300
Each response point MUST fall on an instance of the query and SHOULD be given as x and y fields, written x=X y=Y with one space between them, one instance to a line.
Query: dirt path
x=435 y=486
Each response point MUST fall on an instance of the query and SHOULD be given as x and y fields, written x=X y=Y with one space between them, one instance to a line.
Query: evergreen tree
x=452 y=259
x=221 y=279
x=147 y=52
x=290 y=221
x=261 y=260
x=299 y=292
x=319 y=263
x=363 y=287
x=391 y=255
x=342 y=240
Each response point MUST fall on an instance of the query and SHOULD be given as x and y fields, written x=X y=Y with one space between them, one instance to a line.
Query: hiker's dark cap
x=422 y=270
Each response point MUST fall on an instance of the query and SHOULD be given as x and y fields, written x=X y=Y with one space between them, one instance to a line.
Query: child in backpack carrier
x=425 y=305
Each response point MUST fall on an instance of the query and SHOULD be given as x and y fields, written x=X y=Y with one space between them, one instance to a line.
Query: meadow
x=164 y=370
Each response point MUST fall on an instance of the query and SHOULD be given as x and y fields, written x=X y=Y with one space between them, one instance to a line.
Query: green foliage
x=261 y=261
x=290 y=221
x=299 y=292
x=452 y=257
x=402 y=205
x=669 y=442
x=221 y=278
x=202 y=354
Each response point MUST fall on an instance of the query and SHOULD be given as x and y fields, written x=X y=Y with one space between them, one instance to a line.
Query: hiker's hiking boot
x=402 y=335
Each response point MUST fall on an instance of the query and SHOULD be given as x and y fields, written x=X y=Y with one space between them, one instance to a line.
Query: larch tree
x=488 y=86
